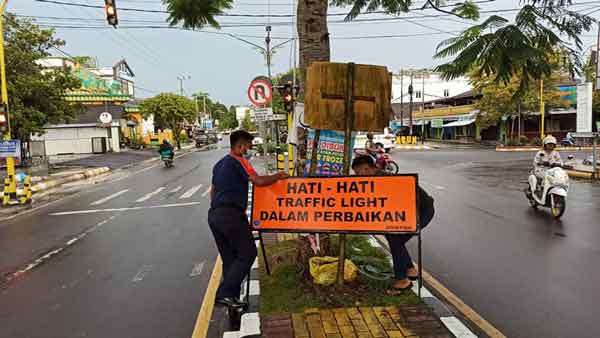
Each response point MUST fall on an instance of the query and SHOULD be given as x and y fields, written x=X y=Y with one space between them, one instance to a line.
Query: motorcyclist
x=547 y=155
x=166 y=147
x=371 y=149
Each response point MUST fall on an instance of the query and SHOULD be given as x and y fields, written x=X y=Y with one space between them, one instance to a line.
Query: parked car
x=590 y=160
x=201 y=138
x=257 y=139
x=384 y=140
x=212 y=137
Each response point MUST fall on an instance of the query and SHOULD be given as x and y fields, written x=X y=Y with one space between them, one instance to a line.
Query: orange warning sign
x=374 y=204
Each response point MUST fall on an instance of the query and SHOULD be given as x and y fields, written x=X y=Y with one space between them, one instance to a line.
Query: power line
x=356 y=21
x=247 y=15
x=156 y=10
x=279 y=38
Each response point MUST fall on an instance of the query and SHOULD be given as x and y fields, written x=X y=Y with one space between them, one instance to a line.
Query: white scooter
x=552 y=192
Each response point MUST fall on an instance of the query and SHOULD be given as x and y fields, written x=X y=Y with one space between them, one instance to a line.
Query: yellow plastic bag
x=324 y=270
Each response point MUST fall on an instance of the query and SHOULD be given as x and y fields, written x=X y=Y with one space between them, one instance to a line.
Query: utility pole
x=423 y=110
x=197 y=112
x=401 y=97
x=597 y=80
x=410 y=104
x=542 y=108
x=10 y=184
x=181 y=78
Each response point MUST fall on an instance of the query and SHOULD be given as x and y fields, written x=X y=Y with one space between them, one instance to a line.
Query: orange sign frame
x=340 y=204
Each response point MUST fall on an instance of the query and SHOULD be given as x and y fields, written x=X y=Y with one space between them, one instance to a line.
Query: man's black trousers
x=235 y=242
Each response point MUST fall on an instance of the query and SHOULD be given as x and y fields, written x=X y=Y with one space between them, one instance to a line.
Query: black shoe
x=230 y=302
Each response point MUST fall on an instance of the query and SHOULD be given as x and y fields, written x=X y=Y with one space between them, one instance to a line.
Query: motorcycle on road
x=551 y=191
x=167 y=157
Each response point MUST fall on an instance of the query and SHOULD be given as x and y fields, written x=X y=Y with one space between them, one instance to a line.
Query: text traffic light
x=3 y=119
x=111 y=12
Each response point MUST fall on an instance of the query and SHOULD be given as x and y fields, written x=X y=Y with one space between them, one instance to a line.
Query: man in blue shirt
x=227 y=215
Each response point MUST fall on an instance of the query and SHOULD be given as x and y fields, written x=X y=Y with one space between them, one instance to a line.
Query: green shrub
x=536 y=141
x=523 y=140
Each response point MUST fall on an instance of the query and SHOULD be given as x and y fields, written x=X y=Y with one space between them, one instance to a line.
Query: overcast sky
x=223 y=66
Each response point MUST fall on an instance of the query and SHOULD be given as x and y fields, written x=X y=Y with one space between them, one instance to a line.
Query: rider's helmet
x=370 y=136
x=549 y=140
x=165 y=142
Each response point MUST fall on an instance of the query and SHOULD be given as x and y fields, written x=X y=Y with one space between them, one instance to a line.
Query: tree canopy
x=229 y=119
x=524 y=49
x=508 y=98
x=35 y=96
x=170 y=112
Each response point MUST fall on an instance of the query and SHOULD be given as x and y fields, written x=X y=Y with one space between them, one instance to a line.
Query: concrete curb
x=579 y=174
x=536 y=148
x=54 y=183
x=412 y=147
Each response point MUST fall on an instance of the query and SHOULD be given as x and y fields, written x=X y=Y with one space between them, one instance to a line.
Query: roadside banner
x=10 y=148
x=374 y=204
x=330 y=152
x=584 y=108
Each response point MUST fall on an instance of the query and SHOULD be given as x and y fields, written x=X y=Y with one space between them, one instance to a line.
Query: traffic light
x=3 y=119
x=111 y=12
x=287 y=94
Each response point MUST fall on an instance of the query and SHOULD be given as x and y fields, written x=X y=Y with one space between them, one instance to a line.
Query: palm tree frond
x=194 y=14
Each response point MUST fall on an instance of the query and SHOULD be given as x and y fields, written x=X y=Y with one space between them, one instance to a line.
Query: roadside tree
x=247 y=123
x=35 y=95
x=170 y=112
x=229 y=119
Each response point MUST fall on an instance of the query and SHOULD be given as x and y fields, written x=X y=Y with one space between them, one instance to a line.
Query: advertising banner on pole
x=584 y=108
x=10 y=148
x=374 y=204
x=330 y=153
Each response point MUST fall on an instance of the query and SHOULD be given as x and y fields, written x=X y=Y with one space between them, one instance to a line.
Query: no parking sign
x=260 y=91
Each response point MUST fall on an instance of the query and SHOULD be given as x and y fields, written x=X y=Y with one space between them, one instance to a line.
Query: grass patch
x=286 y=290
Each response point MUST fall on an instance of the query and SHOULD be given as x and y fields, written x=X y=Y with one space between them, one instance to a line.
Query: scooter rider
x=371 y=149
x=548 y=154
x=166 y=146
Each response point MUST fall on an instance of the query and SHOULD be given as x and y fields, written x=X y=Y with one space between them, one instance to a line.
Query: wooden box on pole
x=326 y=91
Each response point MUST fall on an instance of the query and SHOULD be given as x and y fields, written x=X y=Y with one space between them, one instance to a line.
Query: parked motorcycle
x=551 y=192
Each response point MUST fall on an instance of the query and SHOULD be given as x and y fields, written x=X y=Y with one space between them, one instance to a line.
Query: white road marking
x=206 y=192
x=255 y=264
x=142 y=273
x=191 y=192
x=93 y=211
x=150 y=195
x=435 y=186
x=197 y=270
x=457 y=327
x=254 y=288
x=176 y=189
x=110 y=197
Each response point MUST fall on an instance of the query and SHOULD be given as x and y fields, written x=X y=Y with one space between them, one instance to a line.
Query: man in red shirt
x=227 y=215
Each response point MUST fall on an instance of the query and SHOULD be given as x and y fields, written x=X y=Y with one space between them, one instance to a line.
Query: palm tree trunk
x=313 y=34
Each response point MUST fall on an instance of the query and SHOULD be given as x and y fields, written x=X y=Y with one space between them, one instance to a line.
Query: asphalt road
x=130 y=258
x=530 y=276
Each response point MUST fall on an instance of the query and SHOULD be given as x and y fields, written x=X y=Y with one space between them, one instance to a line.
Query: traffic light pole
x=10 y=184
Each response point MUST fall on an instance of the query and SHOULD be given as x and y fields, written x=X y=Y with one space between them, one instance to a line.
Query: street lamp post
x=181 y=78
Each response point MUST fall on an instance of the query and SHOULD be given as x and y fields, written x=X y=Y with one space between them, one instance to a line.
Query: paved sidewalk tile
x=368 y=322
